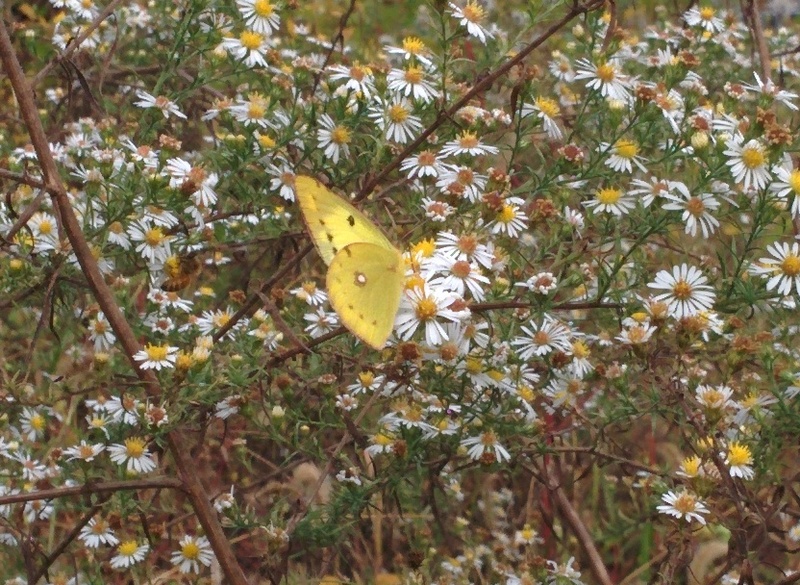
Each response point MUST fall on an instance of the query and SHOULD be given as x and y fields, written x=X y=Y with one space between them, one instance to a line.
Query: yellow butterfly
x=365 y=271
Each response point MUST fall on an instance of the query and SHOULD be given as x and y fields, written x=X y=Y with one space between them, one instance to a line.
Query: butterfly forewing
x=332 y=222
x=365 y=282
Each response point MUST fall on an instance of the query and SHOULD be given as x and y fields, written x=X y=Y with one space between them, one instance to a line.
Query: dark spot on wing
x=351 y=220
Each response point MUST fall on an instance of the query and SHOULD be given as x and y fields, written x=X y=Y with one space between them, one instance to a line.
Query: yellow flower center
x=626 y=148
x=154 y=236
x=256 y=110
x=685 y=503
x=695 y=206
x=413 y=45
x=739 y=454
x=691 y=466
x=753 y=157
x=221 y=319
x=489 y=438
x=156 y=353
x=473 y=12
x=606 y=73
x=37 y=422
x=366 y=379
x=507 y=214
x=134 y=447
x=426 y=309
x=266 y=142
x=340 y=135
x=359 y=72
x=85 y=451
x=548 y=107
x=190 y=550
x=609 y=195
x=413 y=74
x=398 y=113
x=251 y=40
x=580 y=350
x=46 y=227
x=794 y=181
x=127 y=548
x=707 y=13
x=468 y=140
x=383 y=439
x=682 y=290
x=99 y=527
x=791 y=265
x=116 y=228
x=263 y=8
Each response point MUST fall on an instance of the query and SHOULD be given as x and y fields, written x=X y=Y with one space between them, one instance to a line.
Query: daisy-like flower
x=467 y=143
x=547 y=111
x=333 y=139
x=194 y=551
x=97 y=532
x=748 y=162
x=607 y=78
x=611 y=200
x=771 y=90
x=683 y=505
x=509 y=219
x=283 y=179
x=471 y=16
x=252 y=112
x=687 y=291
x=320 y=322
x=782 y=269
x=561 y=68
x=697 y=211
x=84 y=451
x=459 y=276
x=33 y=423
x=128 y=554
x=690 y=467
x=155 y=357
x=542 y=283
x=424 y=164
x=636 y=333
x=704 y=16
x=133 y=454
x=623 y=154
x=425 y=305
x=167 y=106
x=413 y=49
x=411 y=82
x=462 y=181
x=228 y=406
x=310 y=293
x=193 y=181
x=714 y=397
x=739 y=459
x=539 y=340
x=358 y=78
x=655 y=188
x=250 y=47
x=395 y=119
x=260 y=16
x=117 y=235
x=100 y=333
x=788 y=184
x=151 y=242
x=486 y=448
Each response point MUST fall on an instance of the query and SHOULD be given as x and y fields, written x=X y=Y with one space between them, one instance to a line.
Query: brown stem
x=177 y=441
x=93 y=488
x=572 y=518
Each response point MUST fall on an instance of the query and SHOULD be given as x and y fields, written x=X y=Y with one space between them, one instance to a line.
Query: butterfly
x=366 y=272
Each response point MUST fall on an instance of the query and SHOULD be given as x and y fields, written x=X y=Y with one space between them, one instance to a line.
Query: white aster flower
x=194 y=551
x=687 y=291
x=133 y=454
x=683 y=505
x=782 y=269
x=167 y=106
x=471 y=17
x=749 y=163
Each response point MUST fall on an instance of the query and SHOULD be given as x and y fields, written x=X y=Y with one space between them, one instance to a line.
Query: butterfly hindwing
x=333 y=222
x=365 y=282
